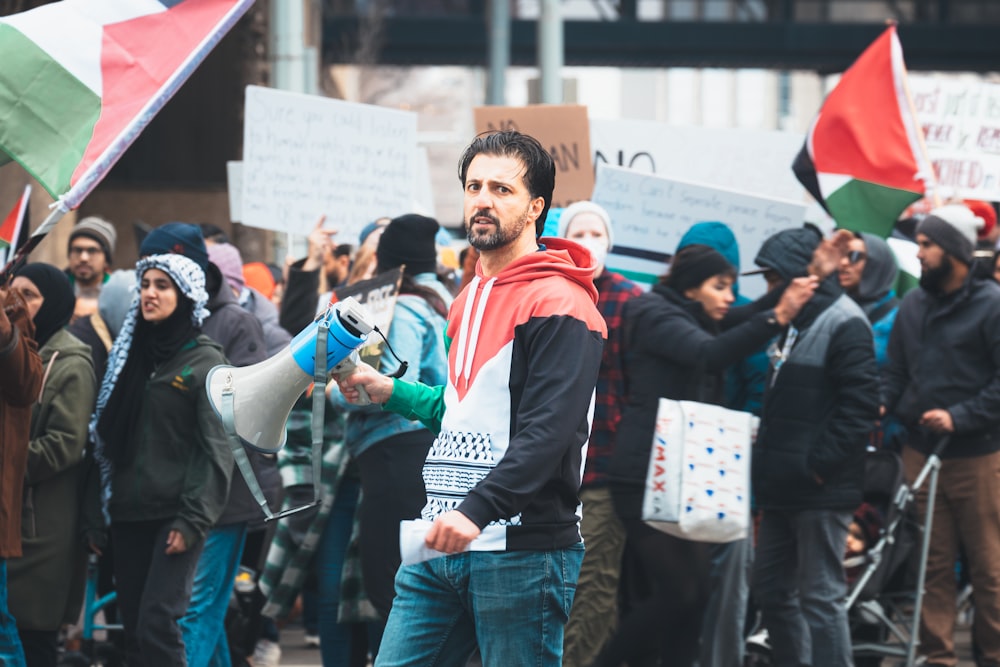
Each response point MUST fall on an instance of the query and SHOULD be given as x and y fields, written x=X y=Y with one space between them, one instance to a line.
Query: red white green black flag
x=863 y=159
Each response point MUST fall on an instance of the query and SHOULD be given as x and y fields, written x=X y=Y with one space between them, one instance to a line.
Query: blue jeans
x=11 y=653
x=334 y=637
x=722 y=635
x=513 y=604
x=203 y=626
x=800 y=586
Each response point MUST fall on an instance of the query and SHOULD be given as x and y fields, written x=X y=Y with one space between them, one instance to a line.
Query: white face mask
x=597 y=247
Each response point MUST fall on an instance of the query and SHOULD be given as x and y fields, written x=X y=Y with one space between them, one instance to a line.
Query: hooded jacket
x=513 y=419
x=823 y=399
x=876 y=294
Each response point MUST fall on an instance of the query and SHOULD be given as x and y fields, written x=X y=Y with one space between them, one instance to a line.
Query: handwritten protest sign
x=305 y=155
x=651 y=213
x=757 y=161
x=234 y=176
x=961 y=122
x=563 y=130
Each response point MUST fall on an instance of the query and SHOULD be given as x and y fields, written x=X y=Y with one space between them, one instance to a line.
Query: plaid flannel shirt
x=613 y=291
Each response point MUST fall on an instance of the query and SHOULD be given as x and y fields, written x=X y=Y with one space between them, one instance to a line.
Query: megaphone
x=263 y=395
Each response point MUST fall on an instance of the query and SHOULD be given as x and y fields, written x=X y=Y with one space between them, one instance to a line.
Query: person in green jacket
x=163 y=454
x=45 y=584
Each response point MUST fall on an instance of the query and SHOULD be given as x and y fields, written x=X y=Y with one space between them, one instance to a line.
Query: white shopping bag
x=698 y=479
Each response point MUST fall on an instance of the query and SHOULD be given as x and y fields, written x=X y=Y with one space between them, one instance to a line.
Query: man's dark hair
x=343 y=249
x=539 y=169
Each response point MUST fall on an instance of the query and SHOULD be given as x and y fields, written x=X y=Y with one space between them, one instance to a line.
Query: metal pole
x=550 y=52
x=499 y=27
x=288 y=65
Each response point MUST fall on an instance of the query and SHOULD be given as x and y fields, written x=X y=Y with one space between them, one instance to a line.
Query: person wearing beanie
x=90 y=254
x=46 y=584
x=675 y=348
x=390 y=449
x=943 y=381
x=807 y=471
x=179 y=238
x=595 y=610
x=164 y=458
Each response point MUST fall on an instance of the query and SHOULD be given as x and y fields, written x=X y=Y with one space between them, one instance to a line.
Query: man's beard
x=499 y=238
x=933 y=280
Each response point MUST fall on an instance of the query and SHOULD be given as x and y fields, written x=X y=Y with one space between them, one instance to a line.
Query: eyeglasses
x=856 y=256
x=77 y=250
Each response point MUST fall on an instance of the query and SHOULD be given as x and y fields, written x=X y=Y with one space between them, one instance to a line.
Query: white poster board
x=234 y=177
x=757 y=161
x=304 y=156
x=651 y=214
x=961 y=122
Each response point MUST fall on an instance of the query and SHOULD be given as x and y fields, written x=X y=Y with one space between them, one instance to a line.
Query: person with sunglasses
x=868 y=273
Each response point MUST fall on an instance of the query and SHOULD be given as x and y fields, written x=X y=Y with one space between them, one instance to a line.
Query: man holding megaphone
x=493 y=561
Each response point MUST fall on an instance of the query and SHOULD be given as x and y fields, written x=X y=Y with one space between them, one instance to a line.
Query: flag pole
x=935 y=194
x=59 y=209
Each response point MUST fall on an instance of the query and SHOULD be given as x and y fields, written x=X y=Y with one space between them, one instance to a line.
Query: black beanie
x=179 y=238
x=57 y=308
x=409 y=240
x=695 y=264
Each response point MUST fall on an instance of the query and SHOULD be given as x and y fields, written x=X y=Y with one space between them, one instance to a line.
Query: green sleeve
x=415 y=400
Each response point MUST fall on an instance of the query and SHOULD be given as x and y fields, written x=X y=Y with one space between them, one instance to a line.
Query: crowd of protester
x=119 y=453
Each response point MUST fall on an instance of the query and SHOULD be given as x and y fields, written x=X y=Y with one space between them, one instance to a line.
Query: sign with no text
x=564 y=131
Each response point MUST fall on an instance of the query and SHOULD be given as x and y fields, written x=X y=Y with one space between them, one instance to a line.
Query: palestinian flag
x=864 y=160
x=14 y=228
x=82 y=78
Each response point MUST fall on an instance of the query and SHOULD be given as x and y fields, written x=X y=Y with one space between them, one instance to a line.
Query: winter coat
x=45 y=585
x=945 y=353
x=821 y=406
x=672 y=350
x=182 y=463
x=20 y=384
x=258 y=305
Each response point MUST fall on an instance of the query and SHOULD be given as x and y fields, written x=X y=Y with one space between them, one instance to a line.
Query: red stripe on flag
x=859 y=131
x=11 y=227
x=137 y=59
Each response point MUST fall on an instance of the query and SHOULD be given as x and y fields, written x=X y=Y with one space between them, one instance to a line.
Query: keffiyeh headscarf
x=158 y=343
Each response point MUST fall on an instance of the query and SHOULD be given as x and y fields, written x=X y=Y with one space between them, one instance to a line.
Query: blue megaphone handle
x=339 y=343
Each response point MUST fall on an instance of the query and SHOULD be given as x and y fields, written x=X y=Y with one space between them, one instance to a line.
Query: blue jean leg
x=203 y=626
x=514 y=604
x=11 y=653
x=800 y=586
x=334 y=637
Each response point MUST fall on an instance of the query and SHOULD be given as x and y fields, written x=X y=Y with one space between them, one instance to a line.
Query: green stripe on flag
x=47 y=115
x=905 y=282
x=861 y=206
x=638 y=276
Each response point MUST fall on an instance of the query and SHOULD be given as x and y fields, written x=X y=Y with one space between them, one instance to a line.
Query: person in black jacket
x=675 y=348
x=944 y=379
x=808 y=462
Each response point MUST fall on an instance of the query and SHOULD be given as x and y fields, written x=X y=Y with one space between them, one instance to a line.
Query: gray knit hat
x=99 y=230
x=953 y=227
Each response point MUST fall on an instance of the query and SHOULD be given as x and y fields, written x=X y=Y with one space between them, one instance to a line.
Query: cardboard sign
x=757 y=161
x=961 y=122
x=304 y=156
x=651 y=214
x=563 y=130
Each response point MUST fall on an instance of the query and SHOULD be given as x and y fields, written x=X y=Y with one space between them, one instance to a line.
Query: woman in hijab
x=164 y=459
x=45 y=584
x=675 y=347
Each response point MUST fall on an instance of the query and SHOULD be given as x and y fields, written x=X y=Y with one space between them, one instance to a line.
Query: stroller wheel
x=758 y=651
x=73 y=659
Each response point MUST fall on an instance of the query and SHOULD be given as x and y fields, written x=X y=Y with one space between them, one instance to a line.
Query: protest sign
x=961 y=122
x=564 y=132
x=304 y=156
x=756 y=161
x=651 y=214
x=234 y=177
x=378 y=296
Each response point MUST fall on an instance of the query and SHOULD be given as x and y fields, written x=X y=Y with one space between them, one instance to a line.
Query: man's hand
x=175 y=543
x=378 y=386
x=451 y=533
x=796 y=295
x=827 y=256
x=320 y=241
x=938 y=420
